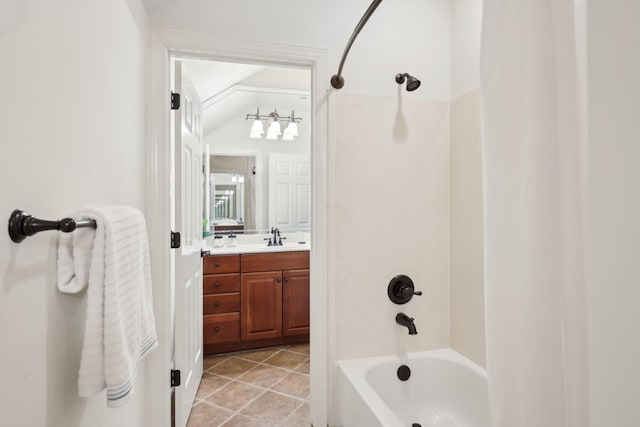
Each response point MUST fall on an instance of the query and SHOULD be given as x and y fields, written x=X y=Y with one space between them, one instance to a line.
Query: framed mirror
x=275 y=169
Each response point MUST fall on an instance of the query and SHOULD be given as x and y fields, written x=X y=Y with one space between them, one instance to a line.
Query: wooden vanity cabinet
x=295 y=302
x=266 y=295
x=220 y=300
x=261 y=315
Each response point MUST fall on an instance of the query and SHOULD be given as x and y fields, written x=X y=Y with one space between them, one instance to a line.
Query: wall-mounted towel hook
x=23 y=225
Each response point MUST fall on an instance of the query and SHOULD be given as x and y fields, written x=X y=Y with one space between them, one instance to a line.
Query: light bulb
x=275 y=128
x=257 y=129
x=293 y=128
x=288 y=135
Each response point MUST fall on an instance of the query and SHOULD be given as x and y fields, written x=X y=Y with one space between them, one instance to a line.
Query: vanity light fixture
x=274 y=131
x=237 y=178
x=274 y=128
x=257 y=130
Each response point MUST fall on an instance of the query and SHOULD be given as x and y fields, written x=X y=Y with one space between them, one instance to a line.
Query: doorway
x=164 y=44
x=255 y=125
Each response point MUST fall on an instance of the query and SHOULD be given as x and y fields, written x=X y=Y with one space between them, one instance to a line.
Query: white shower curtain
x=533 y=183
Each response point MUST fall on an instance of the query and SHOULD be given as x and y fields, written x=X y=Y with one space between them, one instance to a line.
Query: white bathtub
x=445 y=390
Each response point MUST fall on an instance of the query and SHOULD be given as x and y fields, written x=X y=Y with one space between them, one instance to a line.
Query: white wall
x=72 y=134
x=467 y=237
x=402 y=36
x=613 y=37
x=466 y=27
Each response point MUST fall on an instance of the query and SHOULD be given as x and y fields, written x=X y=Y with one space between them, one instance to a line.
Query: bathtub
x=444 y=390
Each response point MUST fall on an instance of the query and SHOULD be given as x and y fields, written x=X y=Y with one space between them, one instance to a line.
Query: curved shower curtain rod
x=337 y=81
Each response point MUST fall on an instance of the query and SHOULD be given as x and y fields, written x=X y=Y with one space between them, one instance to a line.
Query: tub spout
x=404 y=320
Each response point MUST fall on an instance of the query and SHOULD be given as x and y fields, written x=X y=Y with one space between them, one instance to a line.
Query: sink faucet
x=277 y=240
x=404 y=320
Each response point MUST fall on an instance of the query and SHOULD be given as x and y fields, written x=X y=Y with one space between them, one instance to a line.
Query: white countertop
x=257 y=248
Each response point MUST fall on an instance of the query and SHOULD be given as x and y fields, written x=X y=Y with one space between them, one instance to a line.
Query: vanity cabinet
x=221 y=299
x=295 y=302
x=255 y=300
x=261 y=305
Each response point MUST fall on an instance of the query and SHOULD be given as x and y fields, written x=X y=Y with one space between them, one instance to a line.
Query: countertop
x=257 y=248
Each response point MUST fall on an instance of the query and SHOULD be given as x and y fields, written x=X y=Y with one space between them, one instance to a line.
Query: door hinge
x=175 y=240
x=175 y=377
x=175 y=101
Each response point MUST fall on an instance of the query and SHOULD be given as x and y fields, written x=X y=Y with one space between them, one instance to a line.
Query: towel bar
x=23 y=225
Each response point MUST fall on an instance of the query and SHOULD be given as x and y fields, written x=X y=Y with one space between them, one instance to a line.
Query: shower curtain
x=533 y=157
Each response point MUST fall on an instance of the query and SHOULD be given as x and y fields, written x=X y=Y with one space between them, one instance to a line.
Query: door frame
x=163 y=44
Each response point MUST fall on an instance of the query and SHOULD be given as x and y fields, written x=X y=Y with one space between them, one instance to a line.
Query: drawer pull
x=216 y=303
x=216 y=329
x=216 y=264
x=216 y=284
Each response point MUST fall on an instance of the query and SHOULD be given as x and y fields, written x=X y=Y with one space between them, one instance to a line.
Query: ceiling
x=230 y=91
x=211 y=78
x=153 y=5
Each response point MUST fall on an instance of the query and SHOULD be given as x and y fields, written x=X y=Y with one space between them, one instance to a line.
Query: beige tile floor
x=255 y=388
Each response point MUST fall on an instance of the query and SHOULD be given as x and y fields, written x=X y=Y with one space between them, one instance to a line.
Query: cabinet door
x=295 y=291
x=261 y=301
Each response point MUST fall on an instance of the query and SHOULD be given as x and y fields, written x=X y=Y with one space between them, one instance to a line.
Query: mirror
x=276 y=173
x=231 y=193
x=227 y=198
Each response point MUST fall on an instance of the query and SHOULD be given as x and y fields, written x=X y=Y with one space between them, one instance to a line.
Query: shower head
x=412 y=82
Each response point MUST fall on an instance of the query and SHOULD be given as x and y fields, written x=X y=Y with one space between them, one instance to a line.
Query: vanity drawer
x=219 y=328
x=298 y=260
x=220 y=303
x=220 y=284
x=215 y=264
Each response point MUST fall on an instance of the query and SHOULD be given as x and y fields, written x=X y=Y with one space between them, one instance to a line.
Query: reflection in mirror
x=230 y=201
x=228 y=204
x=276 y=191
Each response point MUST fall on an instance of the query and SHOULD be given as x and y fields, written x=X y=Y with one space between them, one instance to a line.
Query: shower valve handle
x=401 y=289
x=408 y=292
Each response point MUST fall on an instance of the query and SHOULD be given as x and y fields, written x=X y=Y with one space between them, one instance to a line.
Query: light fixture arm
x=274 y=116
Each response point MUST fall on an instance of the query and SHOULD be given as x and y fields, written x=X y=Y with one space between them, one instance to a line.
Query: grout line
x=237 y=379
x=291 y=413
x=216 y=406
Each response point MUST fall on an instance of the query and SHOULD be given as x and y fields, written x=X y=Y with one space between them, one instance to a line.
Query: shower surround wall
x=467 y=239
x=392 y=184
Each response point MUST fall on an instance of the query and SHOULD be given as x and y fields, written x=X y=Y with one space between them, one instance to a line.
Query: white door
x=188 y=178
x=289 y=191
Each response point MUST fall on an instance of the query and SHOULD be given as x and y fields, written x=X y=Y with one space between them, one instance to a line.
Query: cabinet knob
x=216 y=284
x=278 y=280
x=286 y=279
x=216 y=264
x=216 y=303
x=216 y=329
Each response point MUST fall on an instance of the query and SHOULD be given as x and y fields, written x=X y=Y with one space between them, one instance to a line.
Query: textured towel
x=112 y=262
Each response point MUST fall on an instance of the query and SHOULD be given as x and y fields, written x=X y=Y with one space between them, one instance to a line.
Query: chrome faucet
x=404 y=320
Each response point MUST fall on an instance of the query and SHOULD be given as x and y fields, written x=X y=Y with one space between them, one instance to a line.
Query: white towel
x=112 y=262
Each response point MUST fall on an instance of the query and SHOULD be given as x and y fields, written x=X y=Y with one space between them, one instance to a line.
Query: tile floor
x=255 y=388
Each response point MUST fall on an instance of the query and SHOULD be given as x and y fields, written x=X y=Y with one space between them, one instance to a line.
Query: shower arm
x=337 y=81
